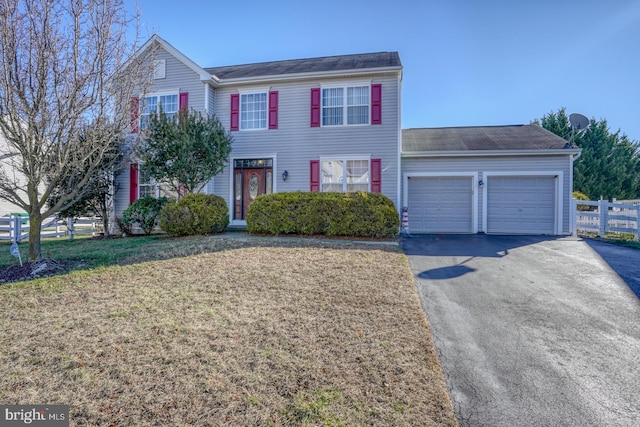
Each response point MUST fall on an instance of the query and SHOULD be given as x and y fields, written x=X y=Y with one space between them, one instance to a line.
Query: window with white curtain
x=344 y=175
x=345 y=105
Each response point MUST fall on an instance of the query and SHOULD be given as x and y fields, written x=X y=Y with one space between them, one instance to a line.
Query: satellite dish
x=578 y=121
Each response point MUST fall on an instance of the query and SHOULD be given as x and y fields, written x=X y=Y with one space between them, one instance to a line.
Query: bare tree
x=61 y=65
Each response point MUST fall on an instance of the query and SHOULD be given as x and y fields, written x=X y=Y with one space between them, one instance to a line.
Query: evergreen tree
x=184 y=151
x=609 y=166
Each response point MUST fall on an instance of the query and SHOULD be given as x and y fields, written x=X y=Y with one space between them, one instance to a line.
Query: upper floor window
x=153 y=103
x=253 y=111
x=345 y=105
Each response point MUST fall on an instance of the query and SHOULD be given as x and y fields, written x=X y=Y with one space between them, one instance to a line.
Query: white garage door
x=440 y=204
x=521 y=205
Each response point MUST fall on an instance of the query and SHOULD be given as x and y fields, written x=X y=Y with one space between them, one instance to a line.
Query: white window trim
x=152 y=183
x=159 y=69
x=344 y=86
x=255 y=91
x=345 y=158
x=143 y=99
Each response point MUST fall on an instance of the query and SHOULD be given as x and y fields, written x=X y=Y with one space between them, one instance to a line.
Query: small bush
x=581 y=196
x=125 y=228
x=144 y=213
x=195 y=214
x=333 y=214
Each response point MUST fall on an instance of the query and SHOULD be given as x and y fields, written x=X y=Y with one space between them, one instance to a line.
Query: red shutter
x=184 y=100
x=133 y=182
x=273 y=109
x=315 y=107
x=135 y=114
x=376 y=104
x=376 y=172
x=235 y=111
x=315 y=175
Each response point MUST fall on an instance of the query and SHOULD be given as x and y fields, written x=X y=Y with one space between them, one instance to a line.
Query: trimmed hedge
x=195 y=214
x=333 y=214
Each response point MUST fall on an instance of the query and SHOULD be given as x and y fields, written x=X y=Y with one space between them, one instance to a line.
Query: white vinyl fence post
x=70 y=228
x=603 y=210
x=16 y=231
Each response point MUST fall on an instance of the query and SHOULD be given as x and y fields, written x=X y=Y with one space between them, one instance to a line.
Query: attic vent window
x=159 y=69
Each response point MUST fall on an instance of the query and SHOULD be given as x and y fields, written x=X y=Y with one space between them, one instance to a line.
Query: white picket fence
x=617 y=217
x=16 y=228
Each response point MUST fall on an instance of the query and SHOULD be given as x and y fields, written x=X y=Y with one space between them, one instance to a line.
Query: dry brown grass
x=247 y=336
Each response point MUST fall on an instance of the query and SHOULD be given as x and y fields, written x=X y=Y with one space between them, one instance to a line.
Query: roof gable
x=156 y=40
x=481 y=138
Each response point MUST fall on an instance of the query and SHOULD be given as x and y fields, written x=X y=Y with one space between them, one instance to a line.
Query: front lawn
x=225 y=332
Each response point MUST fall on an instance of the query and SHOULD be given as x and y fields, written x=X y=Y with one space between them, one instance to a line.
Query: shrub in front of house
x=143 y=213
x=357 y=214
x=195 y=214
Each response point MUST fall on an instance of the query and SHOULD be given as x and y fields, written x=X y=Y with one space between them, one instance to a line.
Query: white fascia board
x=489 y=153
x=204 y=76
x=306 y=76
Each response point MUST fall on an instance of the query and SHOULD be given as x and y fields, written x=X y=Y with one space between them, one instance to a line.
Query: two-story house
x=334 y=124
x=317 y=124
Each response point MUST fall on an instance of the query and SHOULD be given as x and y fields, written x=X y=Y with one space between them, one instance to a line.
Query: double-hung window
x=147 y=186
x=153 y=104
x=345 y=174
x=348 y=105
x=253 y=111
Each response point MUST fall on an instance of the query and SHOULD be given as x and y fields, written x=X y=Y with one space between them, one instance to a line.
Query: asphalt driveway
x=533 y=331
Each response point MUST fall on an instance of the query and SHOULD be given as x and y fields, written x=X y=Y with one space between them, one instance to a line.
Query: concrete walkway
x=533 y=331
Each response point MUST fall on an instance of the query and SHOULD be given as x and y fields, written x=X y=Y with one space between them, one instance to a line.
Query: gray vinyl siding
x=179 y=78
x=295 y=143
x=212 y=96
x=7 y=208
x=515 y=164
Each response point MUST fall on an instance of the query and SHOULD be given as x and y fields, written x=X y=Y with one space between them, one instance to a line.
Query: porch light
x=480 y=183
x=285 y=175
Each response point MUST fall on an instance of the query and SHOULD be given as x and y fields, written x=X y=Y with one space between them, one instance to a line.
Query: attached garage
x=441 y=204
x=487 y=179
x=521 y=204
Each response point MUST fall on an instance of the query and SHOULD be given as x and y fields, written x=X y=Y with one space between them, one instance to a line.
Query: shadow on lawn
x=88 y=253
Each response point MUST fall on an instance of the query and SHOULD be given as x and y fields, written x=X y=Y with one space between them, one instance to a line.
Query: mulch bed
x=33 y=270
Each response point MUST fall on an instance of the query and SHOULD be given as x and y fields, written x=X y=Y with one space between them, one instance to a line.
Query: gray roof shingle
x=514 y=137
x=308 y=65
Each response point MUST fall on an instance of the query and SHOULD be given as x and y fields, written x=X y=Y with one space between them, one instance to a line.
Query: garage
x=521 y=204
x=440 y=204
x=514 y=179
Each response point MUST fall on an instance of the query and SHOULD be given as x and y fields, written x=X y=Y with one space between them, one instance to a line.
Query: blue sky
x=488 y=62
